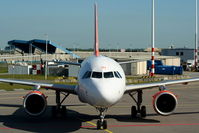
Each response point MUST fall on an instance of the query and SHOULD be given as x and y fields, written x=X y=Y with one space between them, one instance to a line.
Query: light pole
x=196 y=38
x=153 y=40
x=30 y=53
x=117 y=46
x=46 y=57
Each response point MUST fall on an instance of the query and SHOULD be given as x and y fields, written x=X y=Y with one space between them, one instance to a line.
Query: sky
x=122 y=23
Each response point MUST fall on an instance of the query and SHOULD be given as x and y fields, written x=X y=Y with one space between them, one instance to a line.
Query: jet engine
x=164 y=102
x=35 y=103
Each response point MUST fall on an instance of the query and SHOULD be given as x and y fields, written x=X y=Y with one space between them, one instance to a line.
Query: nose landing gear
x=101 y=123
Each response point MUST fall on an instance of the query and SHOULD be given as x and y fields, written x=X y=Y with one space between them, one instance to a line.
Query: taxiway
x=82 y=118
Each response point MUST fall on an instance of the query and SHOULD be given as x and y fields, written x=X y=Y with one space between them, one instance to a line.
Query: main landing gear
x=101 y=123
x=140 y=109
x=59 y=110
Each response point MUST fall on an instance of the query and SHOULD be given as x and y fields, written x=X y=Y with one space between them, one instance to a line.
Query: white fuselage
x=101 y=81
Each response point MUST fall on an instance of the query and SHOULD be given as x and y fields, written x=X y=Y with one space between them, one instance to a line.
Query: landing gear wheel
x=143 y=111
x=58 y=112
x=133 y=111
x=63 y=111
x=104 y=124
x=101 y=125
x=138 y=109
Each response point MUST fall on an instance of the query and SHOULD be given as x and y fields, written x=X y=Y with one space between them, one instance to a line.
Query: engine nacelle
x=35 y=103
x=164 y=102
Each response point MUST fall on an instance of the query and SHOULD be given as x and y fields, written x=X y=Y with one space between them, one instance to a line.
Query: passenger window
x=116 y=75
x=108 y=75
x=87 y=75
x=97 y=75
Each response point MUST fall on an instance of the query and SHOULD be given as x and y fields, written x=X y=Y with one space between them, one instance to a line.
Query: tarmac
x=82 y=118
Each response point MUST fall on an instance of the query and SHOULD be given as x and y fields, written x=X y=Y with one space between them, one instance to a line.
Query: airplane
x=101 y=84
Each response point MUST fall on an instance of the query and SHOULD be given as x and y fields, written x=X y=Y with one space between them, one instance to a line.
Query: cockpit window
x=116 y=75
x=108 y=75
x=97 y=75
x=87 y=75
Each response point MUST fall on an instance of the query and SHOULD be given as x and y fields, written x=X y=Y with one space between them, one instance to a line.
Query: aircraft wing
x=130 y=61
x=37 y=85
x=135 y=87
x=69 y=63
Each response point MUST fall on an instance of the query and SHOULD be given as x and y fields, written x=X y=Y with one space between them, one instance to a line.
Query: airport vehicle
x=101 y=83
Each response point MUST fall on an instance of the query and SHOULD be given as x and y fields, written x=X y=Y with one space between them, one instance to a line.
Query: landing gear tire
x=101 y=125
x=104 y=124
x=133 y=111
x=63 y=111
x=138 y=109
x=58 y=112
x=143 y=111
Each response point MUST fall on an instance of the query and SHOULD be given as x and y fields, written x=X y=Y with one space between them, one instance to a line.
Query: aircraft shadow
x=177 y=113
x=73 y=122
x=127 y=118
x=45 y=123
x=122 y=118
x=10 y=105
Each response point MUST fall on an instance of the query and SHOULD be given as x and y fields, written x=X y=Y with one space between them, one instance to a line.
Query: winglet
x=96 y=45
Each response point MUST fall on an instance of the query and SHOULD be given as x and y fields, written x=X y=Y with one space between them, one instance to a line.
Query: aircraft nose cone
x=107 y=94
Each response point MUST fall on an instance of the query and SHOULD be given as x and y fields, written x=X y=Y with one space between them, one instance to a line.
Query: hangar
x=185 y=54
x=37 y=46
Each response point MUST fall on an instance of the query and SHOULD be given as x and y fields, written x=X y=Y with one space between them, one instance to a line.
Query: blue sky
x=122 y=23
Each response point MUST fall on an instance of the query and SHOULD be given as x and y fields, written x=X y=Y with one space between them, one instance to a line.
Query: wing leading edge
x=135 y=87
x=69 y=63
x=37 y=85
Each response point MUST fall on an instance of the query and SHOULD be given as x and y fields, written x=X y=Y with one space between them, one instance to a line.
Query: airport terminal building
x=37 y=49
x=184 y=53
x=34 y=52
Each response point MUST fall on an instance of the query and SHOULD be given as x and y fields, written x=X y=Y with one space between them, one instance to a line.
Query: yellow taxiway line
x=93 y=124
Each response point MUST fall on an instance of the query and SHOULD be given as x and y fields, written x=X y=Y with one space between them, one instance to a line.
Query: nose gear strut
x=101 y=123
